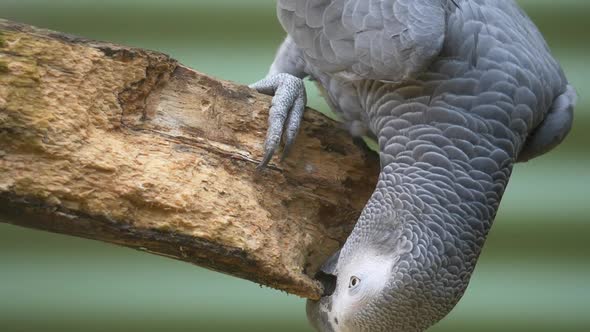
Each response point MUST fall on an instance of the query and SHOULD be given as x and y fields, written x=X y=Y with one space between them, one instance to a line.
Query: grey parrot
x=455 y=92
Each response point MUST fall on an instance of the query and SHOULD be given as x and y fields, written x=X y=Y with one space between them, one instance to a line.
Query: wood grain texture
x=128 y=146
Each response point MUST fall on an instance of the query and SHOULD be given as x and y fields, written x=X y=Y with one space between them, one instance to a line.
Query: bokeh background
x=534 y=274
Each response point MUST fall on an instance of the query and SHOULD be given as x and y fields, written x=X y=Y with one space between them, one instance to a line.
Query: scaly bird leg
x=286 y=112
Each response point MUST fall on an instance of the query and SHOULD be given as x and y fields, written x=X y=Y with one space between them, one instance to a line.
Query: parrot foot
x=286 y=112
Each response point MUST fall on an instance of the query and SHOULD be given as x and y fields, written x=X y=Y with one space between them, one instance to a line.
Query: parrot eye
x=354 y=281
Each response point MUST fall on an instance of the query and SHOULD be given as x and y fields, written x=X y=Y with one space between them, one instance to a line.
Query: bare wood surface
x=128 y=146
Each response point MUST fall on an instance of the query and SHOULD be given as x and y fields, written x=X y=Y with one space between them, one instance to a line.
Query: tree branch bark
x=128 y=146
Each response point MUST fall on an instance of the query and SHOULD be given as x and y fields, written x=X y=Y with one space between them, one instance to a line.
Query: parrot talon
x=286 y=150
x=267 y=157
x=286 y=112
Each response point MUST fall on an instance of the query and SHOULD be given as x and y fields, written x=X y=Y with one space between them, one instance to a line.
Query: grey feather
x=455 y=92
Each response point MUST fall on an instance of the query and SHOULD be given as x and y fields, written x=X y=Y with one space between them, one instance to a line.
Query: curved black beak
x=326 y=275
x=328 y=282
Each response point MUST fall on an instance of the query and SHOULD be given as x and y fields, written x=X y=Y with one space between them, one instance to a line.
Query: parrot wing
x=387 y=40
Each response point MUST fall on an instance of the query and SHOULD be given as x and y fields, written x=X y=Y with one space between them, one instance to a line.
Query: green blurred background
x=534 y=273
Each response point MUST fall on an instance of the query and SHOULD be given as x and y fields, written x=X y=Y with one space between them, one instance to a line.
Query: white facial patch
x=373 y=273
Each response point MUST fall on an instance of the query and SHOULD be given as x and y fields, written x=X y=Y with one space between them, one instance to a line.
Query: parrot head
x=389 y=287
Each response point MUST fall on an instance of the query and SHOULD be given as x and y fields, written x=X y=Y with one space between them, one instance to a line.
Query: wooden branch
x=127 y=146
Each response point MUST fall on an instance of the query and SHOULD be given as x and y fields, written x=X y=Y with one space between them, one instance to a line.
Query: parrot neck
x=434 y=204
x=433 y=222
x=444 y=169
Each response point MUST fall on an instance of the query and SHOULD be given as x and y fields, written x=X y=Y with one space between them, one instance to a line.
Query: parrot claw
x=286 y=112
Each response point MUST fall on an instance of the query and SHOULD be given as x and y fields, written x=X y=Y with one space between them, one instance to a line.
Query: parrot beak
x=318 y=311
x=327 y=274
x=328 y=282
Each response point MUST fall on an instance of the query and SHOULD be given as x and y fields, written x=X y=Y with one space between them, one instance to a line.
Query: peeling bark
x=128 y=146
